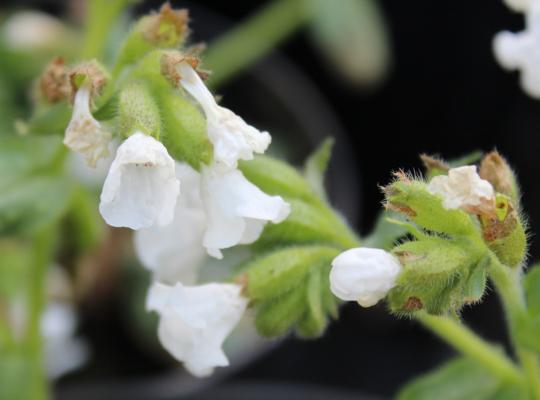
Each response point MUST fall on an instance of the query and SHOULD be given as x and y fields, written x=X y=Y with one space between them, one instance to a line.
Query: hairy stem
x=245 y=44
x=509 y=285
x=468 y=343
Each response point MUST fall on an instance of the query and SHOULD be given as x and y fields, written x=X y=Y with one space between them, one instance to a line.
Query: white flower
x=63 y=351
x=84 y=133
x=175 y=252
x=233 y=139
x=32 y=30
x=364 y=275
x=522 y=51
x=236 y=210
x=519 y=5
x=462 y=188
x=141 y=188
x=195 y=321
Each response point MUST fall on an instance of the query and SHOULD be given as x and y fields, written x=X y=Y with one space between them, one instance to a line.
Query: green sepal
x=138 y=111
x=316 y=165
x=411 y=198
x=475 y=285
x=434 y=273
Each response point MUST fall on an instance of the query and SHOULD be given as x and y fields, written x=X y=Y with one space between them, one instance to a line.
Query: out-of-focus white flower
x=195 y=321
x=519 y=5
x=364 y=275
x=31 y=30
x=462 y=188
x=84 y=133
x=236 y=210
x=63 y=351
x=175 y=252
x=522 y=50
x=141 y=188
x=232 y=137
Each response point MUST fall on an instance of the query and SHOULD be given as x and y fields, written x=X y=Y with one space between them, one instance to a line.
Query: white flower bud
x=175 y=252
x=462 y=188
x=195 y=321
x=236 y=209
x=364 y=275
x=141 y=188
x=84 y=133
x=232 y=137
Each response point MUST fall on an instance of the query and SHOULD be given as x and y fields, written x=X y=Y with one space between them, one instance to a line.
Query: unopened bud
x=496 y=170
x=54 y=84
x=167 y=28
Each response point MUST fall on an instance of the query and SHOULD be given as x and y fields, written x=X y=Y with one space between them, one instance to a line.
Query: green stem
x=42 y=248
x=508 y=284
x=245 y=44
x=467 y=342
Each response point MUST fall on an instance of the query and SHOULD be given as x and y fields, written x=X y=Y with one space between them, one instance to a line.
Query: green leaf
x=184 y=130
x=276 y=177
x=459 y=379
x=314 y=320
x=352 y=35
x=316 y=165
x=51 y=120
x=32 y=204
x=307 y=223
x=14 y=262
x=532 y=289
x=386 y=232
x=528 y=331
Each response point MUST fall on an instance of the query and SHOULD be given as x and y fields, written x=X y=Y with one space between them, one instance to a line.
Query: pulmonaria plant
x=190 y=179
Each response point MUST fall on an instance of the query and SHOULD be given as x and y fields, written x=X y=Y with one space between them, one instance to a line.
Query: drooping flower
x=463 y=188
x=364 y=275
x=174 y=252
x=236 y=210
x=233 y=139
x=141 y=188
x=195 y=321
x=522 y=50
x=84 y=133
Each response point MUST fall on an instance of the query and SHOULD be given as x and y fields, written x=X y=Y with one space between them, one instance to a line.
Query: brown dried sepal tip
x=171 y=59
x=179 y=19
x=92 y=73
x=493 y=228
x=54 y=83
x=242 y=280
x=413 y=304
x=496 y=171
x=434 y=163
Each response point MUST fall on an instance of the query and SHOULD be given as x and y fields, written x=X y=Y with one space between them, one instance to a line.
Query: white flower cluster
x=522 y=50
x=180 y=215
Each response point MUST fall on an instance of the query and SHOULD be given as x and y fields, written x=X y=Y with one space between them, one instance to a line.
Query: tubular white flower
x=175 y=252
x=236 y=210
x=232 y=137
x=364 y=275
x=462 y=188
x=195 y=321
x=84 y=133
x=522 y=50
x=141 y=188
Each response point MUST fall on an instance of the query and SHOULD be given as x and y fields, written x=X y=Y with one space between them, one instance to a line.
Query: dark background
x=445 y=94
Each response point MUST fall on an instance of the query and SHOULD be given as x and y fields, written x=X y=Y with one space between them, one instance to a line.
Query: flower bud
x=496 y=171
x=364 y=275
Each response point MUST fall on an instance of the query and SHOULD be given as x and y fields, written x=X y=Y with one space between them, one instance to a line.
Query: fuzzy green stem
x=467 y=342
x=41 y=257
x=245 y=44
x=509 y=285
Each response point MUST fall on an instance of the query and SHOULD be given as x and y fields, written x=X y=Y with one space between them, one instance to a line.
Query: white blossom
x=174 y=252
x=63 y=351
x=522 y=50
x=519 y=5
x=195 y=321
x=233 y=139
x=84 y=133
x=364 y=275
x=462 y=188
x=33 y=30
x=141 y=188
x=236 y=210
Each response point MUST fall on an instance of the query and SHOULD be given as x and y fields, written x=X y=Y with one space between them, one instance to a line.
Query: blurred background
x=436 y=88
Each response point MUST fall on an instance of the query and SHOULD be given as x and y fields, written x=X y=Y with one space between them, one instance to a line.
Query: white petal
x=364 y=275
x=233 y=139
x=175 y=252
x=236 y=210
x=195 y=321
x=141 y=188
x=462 y=188
x=84 y=133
